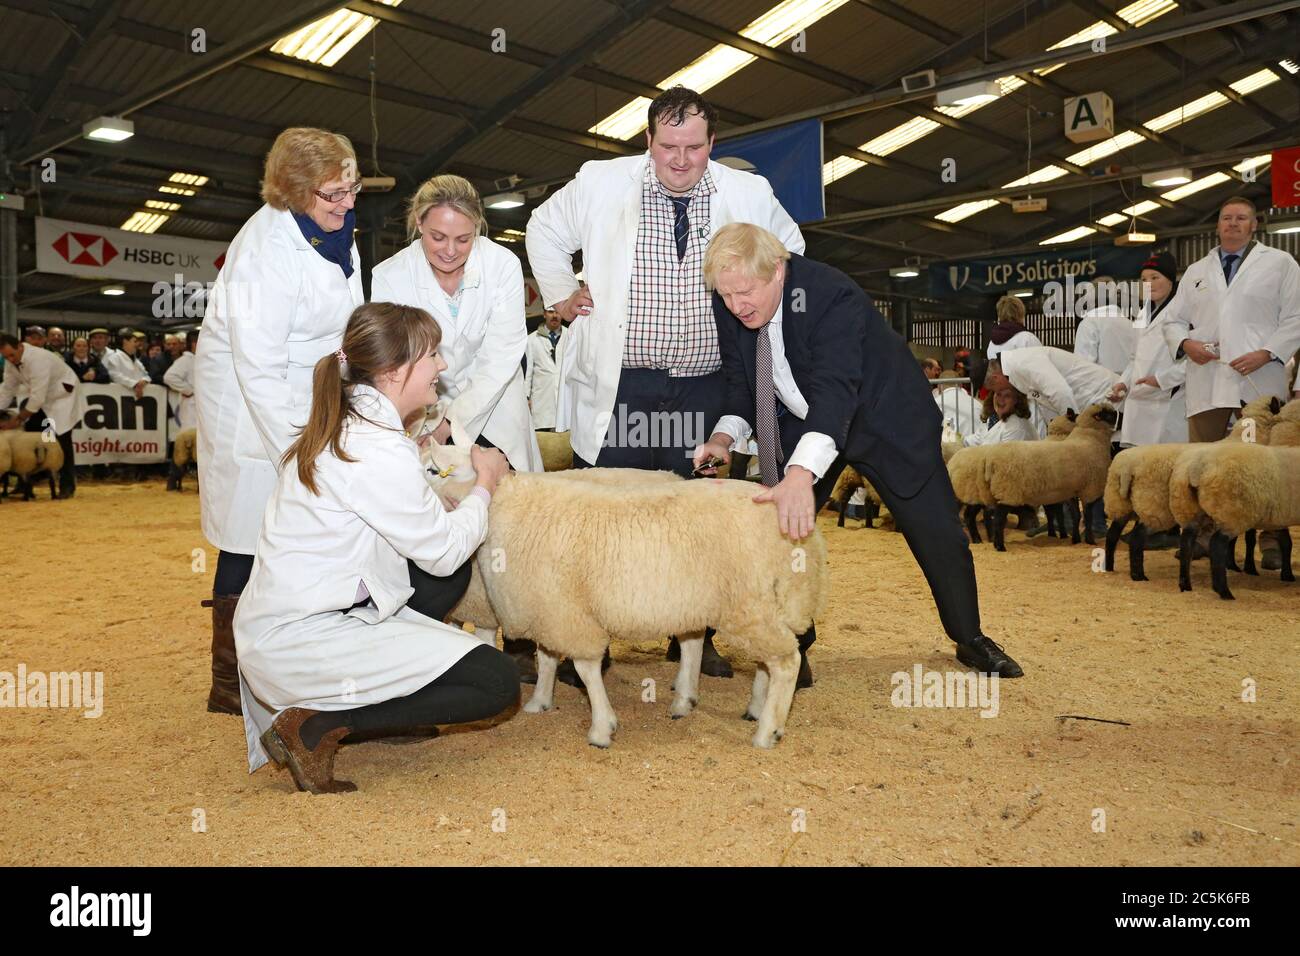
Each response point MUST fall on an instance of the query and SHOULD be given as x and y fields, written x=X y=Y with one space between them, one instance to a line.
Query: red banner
x=1285 y=172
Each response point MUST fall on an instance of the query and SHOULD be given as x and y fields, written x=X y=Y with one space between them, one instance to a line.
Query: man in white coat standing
x=641 y=356
x=1236 y=316
x=53 y=399
x=542 y=377
x=1106 y=335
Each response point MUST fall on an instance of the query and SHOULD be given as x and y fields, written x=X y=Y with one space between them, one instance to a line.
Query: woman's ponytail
x=329 y=410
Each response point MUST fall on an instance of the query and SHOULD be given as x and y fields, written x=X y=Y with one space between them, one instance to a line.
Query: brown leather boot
x=223 y=698
x=312 y=770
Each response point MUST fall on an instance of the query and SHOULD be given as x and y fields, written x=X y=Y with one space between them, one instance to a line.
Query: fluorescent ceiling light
x=1114 y=219
x=1137 y=14
x=970 y=94
x=780 y=23
x=958 y=213
x=904 y=272
x=176 y=190
x=1283 y=228
x=1129 y=212
x=505 y=201
x=108 y=129
x=188 y=179
x=327 y=40
x=1290 y=66
x=160 y=204
x=1168 y=177
x=1022 y=293
x=1195 y=186
x=113 y=290
x=1256 y=81
x=1254 y=162
x=1046 y=174
x=1078 y=232
x=141 y=221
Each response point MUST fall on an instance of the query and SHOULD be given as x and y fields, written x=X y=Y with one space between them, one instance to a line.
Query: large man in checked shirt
x=641 y=378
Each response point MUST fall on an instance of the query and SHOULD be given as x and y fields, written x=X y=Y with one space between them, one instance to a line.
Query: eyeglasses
x=339 y=195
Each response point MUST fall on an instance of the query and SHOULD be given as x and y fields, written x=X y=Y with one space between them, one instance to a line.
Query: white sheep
x=184 y=451
x=1041 y=473
x=6 y=459
x=632 y=553
x=1137 y=486
x=557 y=453
x=30 y=456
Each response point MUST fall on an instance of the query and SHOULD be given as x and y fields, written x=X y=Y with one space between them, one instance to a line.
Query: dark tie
x=1228 y=262
x=681 y=224
x=769 y=447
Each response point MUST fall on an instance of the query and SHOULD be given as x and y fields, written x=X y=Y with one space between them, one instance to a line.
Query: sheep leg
x=687 y=685
x=1137 y=548
x=603 y=721
x=1220 y=545
x=844 y=507
x=1087 y=524
x=1072 y=512
x=1055 y=520
x=1112 y=540
x=1284 y=551
x=782 y=673
x=757 y=694
x=1186 y=542
x=988 y=521
x=1232 y=555
x=972 y=526
x=1250 y=553
x=543 y=698
x=999 y=527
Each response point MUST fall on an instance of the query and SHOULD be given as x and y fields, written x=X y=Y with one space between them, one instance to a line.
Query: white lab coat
x=125 y=370
x=299 y=640
x=960 y=410
x=179 y=379
x=1014 y=428
x=1153 y=416
x=276 y=308
x=1106 y=337
x=44 y=381
x=482 y=346
x=1021 y=340
x=599 y=212
x=1058 y=380
x=1260 y=310
x=542 y=380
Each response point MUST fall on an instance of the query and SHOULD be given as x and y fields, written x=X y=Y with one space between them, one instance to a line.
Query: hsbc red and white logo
x=85 y=249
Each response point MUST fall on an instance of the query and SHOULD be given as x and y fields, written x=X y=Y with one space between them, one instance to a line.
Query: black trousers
x=67 y=474
x=659 y=420
x=929 y=523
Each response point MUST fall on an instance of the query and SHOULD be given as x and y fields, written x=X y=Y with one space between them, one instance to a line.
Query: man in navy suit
x=825 y=382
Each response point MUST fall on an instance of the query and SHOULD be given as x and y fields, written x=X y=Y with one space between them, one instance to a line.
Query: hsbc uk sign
x=98 y=252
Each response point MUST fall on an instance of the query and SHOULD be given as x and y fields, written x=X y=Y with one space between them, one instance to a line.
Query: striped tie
x=681 y=225
x=769 y=448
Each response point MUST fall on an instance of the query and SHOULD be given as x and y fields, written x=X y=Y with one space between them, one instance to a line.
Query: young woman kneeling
x=339 y=632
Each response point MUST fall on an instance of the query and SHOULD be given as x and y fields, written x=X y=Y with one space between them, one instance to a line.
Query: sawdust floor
x=105 y=583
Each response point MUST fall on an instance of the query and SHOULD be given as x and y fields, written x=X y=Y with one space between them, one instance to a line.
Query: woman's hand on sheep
x=489 y=464
x=795 y=503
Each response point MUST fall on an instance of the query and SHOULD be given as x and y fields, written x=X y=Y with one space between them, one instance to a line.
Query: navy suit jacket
x=863 y=386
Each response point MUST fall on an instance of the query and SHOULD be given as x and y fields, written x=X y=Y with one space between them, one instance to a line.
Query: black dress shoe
x=566 y=673
x=983 y=655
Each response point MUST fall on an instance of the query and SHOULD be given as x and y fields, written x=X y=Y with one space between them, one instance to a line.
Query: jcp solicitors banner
x=98 y=252
x=118 y=427
x=1031 y=271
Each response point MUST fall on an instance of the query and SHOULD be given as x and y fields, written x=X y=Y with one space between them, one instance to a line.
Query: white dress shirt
x=815 y=451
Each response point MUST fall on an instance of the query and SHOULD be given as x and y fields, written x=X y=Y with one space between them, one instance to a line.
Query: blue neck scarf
x=336 y=246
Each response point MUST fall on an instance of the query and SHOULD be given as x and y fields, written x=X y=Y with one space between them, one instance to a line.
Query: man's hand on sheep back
x=795 y=504
x=718 y=446
x=489 y=464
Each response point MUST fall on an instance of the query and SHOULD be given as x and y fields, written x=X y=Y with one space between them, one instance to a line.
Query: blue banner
x=1032 y=269
x=788 y=157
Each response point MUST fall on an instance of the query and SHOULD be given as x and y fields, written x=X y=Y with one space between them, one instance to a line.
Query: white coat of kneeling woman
x=340 y=630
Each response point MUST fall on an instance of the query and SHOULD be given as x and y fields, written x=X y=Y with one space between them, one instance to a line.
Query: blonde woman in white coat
x=474 y=288
x=340 y=629
x=282 y=299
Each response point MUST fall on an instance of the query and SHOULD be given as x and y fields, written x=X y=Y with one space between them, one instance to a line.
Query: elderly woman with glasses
x=290 y=279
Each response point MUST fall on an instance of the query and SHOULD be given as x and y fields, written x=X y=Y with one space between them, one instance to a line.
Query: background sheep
x=557 y=453
x=633 y=554
x=184 y=451
x=1137 y=486
x=1040 y=473
x=1240 y=487
x=6 y=460
x=849 y=481
x=30 y=457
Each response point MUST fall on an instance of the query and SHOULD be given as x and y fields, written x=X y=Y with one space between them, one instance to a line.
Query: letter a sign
x=1089 y=117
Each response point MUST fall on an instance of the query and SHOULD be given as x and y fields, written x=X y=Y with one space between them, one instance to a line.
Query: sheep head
x=1101 y=418
x=449 y=471
x=1060 y=426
